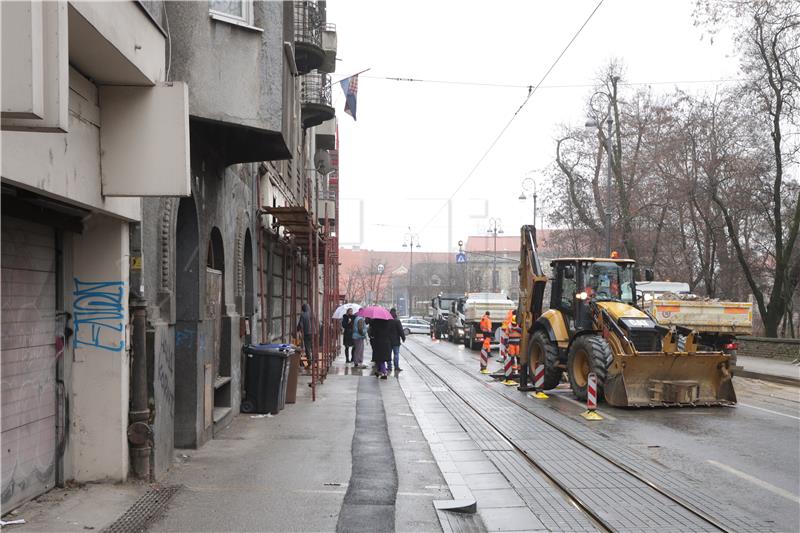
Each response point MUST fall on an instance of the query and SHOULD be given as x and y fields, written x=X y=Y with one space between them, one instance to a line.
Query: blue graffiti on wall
x=98 y=307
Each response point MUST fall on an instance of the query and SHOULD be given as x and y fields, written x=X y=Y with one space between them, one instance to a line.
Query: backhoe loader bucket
x=651 y=379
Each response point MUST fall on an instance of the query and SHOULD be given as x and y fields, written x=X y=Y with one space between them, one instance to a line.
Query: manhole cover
x=146 y=509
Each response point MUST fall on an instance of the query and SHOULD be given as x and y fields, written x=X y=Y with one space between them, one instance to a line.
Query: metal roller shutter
x=28 y=360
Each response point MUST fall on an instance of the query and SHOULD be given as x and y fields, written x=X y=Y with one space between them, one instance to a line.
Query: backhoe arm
x=532 y=281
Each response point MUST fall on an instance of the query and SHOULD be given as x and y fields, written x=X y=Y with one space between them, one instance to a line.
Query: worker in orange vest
x=514 y=337
x=486 y=329
x=486 y=325
x=504 y=336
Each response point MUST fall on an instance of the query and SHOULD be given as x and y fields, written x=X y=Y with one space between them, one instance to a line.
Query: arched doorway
x=188 y=371
x=215 y=313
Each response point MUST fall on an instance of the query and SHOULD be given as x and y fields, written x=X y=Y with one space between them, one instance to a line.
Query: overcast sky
x=415 y=142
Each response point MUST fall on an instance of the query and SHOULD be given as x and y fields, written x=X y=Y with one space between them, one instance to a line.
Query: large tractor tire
x=588 y=353
x=546 y=353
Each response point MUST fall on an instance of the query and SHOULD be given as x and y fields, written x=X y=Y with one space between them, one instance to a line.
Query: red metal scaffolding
x=320 y=244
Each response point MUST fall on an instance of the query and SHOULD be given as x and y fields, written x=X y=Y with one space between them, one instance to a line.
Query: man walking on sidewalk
x=304 y=326
x=397 y=335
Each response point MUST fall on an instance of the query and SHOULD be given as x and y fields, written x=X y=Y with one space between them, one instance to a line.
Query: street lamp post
x=379 y=269
x=527 y=185
x=411 y=240
x=494 y=229
x=592 y=123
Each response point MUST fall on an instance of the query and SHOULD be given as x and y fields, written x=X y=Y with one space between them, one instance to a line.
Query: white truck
x=466 y=313
x=718 y=323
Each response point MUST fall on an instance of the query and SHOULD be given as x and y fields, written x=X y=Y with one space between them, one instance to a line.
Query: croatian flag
x=350 y=88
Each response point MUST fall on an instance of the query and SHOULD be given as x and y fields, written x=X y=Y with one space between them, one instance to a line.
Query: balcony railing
x=315 y=99
x=308 y=29
x=316 y=89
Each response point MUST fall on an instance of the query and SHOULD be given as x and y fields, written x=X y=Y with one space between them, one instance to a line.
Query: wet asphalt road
x=748 y=455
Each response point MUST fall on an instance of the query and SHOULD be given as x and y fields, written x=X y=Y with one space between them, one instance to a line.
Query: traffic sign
x=461 y=257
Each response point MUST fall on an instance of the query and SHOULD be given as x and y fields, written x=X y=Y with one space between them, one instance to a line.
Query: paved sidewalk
x=768 y=369
x=288 y=472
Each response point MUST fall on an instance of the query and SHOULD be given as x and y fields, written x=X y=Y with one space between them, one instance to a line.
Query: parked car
x=415 y=325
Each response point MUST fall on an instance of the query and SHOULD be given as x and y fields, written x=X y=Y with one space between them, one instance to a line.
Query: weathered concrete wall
x=787 y=349
x=181 y=337
x=99 y=389
x=163 y=380
x=66 y=166
x=234 y=73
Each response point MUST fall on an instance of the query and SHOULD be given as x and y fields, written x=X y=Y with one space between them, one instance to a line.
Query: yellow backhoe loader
x=594 y=325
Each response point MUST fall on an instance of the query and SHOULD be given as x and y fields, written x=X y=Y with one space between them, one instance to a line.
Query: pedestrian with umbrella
x=345 y=313
x=380 y=324
x=347 y=333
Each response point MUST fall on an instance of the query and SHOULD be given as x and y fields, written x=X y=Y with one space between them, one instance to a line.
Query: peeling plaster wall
x=97 y=447
x=223 y=199
x=66 y=166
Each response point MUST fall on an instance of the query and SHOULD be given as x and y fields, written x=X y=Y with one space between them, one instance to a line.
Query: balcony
x=308 y=51
x=315 y=99
x=329 y=47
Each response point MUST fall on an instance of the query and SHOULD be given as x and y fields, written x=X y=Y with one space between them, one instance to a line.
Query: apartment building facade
x=141 y=143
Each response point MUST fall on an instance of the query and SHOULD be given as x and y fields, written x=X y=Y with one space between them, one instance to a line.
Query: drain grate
x=144 y=511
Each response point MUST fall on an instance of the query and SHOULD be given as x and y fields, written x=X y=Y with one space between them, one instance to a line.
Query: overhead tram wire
x=563 y=86
x=531 y=91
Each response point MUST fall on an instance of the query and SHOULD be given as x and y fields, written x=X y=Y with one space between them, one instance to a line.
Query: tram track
x=585 y=506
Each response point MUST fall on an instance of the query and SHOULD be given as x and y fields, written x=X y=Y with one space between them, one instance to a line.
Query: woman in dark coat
x=347 y=333
x=380 y=330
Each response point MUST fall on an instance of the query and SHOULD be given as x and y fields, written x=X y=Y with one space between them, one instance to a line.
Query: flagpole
x=350 y=76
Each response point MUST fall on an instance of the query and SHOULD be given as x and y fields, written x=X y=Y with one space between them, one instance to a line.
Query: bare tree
x=768 y=37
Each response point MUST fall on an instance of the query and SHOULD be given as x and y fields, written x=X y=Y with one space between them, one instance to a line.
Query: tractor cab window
x=568 y=286
x=609 y=281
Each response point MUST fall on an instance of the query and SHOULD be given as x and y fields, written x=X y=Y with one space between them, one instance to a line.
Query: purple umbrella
x=375 y=312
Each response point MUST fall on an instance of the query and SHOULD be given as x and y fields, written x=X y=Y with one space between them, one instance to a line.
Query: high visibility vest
x=486 y=324
x=514 y=334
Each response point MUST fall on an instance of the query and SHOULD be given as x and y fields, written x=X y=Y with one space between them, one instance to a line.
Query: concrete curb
x=783 y=380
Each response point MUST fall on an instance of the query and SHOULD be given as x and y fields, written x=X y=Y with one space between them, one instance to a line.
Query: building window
x=236 y=11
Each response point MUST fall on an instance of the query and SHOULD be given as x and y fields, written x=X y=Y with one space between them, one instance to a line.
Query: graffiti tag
x=98 y=308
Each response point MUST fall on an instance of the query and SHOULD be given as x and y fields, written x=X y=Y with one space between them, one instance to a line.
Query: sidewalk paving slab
x=91 y=506
x=765 y=369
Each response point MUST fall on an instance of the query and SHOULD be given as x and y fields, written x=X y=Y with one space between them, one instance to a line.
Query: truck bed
x=704 y=316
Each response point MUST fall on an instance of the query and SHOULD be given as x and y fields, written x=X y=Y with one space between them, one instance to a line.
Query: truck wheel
x=588 y=353
x=545 y=352
x=471 y=339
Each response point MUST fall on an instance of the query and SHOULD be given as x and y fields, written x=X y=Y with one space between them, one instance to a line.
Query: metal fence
x=308 y=23
x=315 y=88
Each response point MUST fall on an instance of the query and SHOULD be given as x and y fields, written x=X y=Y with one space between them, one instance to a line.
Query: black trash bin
x=266 y=371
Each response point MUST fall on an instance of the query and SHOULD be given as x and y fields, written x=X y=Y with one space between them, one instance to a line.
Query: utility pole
x=494 y=229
